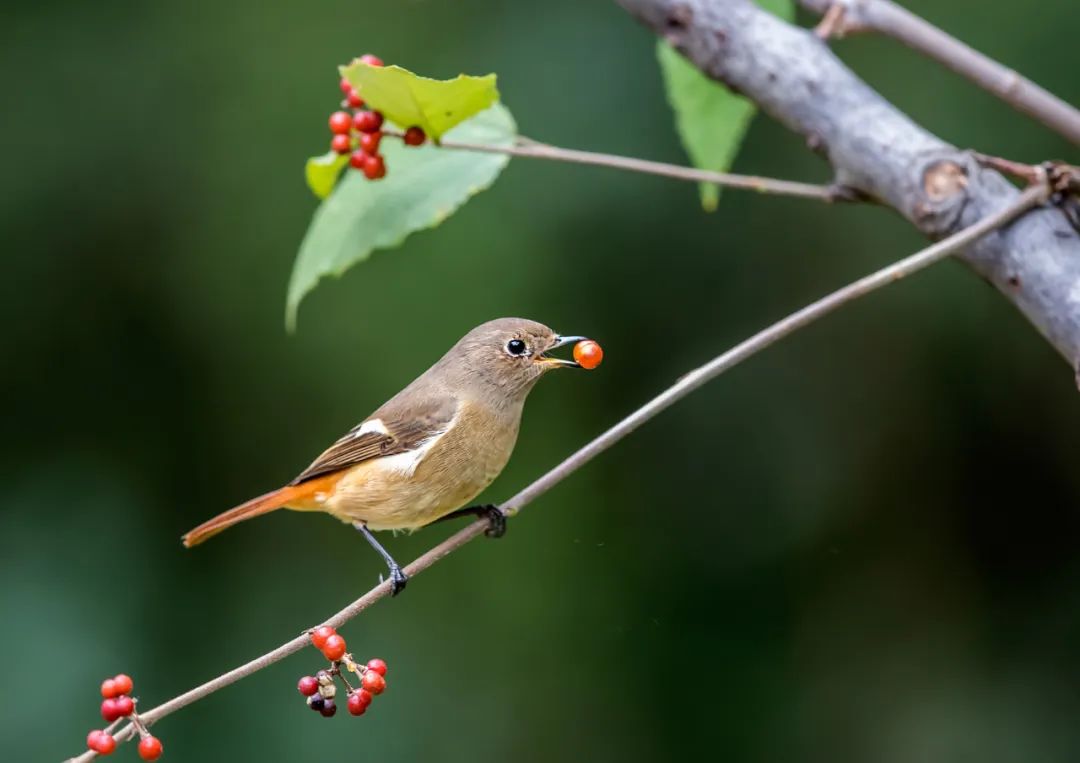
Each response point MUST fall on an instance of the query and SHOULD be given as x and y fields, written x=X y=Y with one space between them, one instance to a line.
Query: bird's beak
x=560 y=341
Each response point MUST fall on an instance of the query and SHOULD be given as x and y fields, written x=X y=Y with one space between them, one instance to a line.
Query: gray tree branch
x=889 y=19
x=876 y=149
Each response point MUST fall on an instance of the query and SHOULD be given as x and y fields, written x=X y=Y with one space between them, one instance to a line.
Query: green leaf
x=785 y=9
x=408 y=99
x=322 y=172
x=710 y=120
x=423 y=186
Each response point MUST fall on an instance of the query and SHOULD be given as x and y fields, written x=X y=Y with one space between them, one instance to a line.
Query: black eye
x=515 y=347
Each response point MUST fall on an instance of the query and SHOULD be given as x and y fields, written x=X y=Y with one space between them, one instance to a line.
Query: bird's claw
x=398 y=579
x=496 y=520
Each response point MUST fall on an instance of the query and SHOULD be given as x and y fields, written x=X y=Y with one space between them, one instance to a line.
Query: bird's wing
x=390 y=430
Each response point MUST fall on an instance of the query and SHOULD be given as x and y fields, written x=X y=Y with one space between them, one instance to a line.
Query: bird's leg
x=495 y=517
x=398 y=579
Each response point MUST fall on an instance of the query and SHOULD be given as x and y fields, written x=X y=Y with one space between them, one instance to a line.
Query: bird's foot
x=398 y=579
x=496 y=520
x=489 y=511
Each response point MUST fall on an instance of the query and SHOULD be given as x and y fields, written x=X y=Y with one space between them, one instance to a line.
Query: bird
x=430 y=449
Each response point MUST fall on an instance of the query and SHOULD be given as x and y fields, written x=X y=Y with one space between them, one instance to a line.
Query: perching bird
x=430 y=449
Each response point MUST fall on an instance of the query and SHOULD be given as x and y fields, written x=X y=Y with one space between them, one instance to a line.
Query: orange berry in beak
x=588 y=354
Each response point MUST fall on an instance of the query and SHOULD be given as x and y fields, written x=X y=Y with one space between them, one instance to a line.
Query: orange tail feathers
x=264 y=504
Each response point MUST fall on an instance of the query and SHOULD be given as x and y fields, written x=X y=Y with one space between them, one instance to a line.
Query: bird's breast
x=409 y=490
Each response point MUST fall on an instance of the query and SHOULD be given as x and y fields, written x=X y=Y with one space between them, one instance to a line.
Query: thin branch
x=1063 y=178
x=1030 y=198
x=891 y=20
x=832 y=23
x=531 y=149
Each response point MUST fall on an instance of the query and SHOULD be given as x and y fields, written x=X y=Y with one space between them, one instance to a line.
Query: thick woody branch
x=877 y=150
x=887 y=18
x=689 y=382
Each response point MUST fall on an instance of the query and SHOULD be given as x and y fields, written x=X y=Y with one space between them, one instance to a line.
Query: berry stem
x=345 y=681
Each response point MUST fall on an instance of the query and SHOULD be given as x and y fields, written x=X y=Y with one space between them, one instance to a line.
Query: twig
x=1063 y=178
x=1029 y=198
x=832 y=23
x=531 y=149
x=891 y=20
x=1026 y=172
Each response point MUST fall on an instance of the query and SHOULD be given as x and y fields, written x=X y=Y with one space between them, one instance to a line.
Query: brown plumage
x=431 y=448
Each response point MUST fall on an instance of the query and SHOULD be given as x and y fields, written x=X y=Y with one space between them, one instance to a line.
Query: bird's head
x=506 y=357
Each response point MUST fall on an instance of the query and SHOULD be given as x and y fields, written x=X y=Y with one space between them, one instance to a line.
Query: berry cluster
x=321 y=690
x=117 y=704
x=359 y=133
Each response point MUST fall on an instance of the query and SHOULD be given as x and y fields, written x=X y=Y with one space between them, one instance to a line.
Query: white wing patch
x=407 y=462
x=369 y=426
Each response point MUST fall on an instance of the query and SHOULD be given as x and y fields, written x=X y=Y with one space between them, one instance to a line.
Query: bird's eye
x=515 y=347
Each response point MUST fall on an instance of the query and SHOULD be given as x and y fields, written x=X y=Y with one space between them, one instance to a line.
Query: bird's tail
x=264 y=504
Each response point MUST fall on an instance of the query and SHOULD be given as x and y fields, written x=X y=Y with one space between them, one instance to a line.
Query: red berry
x=345 y=86
x=356 y=704
x=354 y=99
x=414 y=136
x=371 y=60
x=108 y=688
x=379 y=666
x=334 y=647
x=369 y=142
x=588 y=354
x=110 y=711
x=356 y=160
x=320 y=634
x=328 y=709
x=125 y=706
x=149 y=748
x=123 y=684
x=367 y=121
x=100 y=742
x=374 y=167
x=340 y=123
x=340 y=143
x=373 y=682
x=307 y=685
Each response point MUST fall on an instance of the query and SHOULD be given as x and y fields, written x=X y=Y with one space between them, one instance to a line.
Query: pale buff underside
x=409 y=490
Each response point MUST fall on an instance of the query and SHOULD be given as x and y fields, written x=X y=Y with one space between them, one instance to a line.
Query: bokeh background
x=862 y=545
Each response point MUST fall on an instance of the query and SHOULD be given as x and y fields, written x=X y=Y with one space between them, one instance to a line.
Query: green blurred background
x=862 y=545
